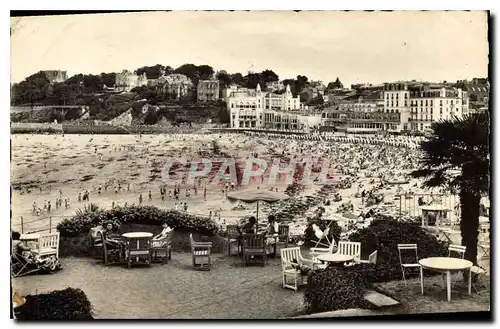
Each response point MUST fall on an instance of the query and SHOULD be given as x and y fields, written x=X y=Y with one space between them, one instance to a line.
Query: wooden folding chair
x=283 y=234
x=406 y=265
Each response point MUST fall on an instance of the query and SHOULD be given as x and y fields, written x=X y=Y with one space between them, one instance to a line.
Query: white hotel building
x=419 y=105
x=252 y=108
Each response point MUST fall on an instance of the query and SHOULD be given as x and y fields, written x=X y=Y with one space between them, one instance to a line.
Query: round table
x=136 y=235
x=445 y=265
x=436 y=209
x=335 y=259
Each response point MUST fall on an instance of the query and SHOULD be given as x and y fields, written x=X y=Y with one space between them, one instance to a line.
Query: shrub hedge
x=338 y=288
x=84 y=221
x=67 y=304
x=384 y=234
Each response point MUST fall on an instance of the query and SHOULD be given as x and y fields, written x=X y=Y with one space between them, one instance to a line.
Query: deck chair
x=406 y=263
x=21 y=266
x=314 y=251
x=283 y=234
x=162 y=243
x=320 y=235
x=110 y=256
x=254 y=245
x=201 y=254
x=291 y=261
x=372 y=259
x=233 y=236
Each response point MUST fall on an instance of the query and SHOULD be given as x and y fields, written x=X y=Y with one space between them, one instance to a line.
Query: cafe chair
x=201 y=254
x=162 y=244
x=407 y=262
x=254 y=245
x=477 y=274
x=456 y=251
x=110 y=256
x=233 y=237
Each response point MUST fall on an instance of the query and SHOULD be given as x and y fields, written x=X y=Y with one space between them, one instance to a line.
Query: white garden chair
x=456 y=251
x=409 y=246
x=350 y=249
x=291 y=261
x=372 y=259
x=48 y=245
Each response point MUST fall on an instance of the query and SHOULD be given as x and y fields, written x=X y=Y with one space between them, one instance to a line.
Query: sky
x=357 y=47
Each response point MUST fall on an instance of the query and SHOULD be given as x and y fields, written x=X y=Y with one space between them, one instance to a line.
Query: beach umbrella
x=256 y=196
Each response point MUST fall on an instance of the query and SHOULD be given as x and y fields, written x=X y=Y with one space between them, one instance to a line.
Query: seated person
x=160 y=239
x=114 y=242
x=18 y=247
x=20 y=252
x=272 y=229
x=248 y=227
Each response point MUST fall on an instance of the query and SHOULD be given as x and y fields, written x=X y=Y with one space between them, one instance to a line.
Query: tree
x=460 y=143
x=269 y=76
x=224 y=79
x=151 y=117
x=205 y=72
x=237 y=78
x=189 y=70
x=152 y=72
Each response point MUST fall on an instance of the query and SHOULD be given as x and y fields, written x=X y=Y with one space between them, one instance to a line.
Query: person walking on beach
x=149 y=196
x=34 y=206
x=49 y=206
x=99 y=189
x=205 y=193
x=140 y=199
x=79 y=197
x=45 y=206
x=170 y=194
x=185 y=206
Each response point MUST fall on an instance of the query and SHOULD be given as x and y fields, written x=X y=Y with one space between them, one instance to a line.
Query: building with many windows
x=126 y=81
x=282 y=102
x=404 y=106
x=208 y=90
x=245 y=107
x=252 y=108
x=430 y=105
x=175 y=86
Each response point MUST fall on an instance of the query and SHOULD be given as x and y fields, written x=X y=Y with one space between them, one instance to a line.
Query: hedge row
x=148 y=215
